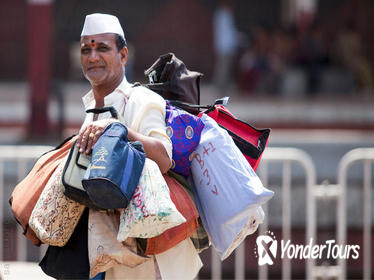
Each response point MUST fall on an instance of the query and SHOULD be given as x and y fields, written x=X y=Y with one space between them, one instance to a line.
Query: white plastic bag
x=228 y=192
x=151 y=210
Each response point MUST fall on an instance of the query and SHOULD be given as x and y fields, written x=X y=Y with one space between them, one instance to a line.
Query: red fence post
x=39 y=40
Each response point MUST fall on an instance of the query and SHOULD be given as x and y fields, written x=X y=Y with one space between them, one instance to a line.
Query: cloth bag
x=104 y=250
x=55 y=216
x=151 y=210
x=159 y=266
x=226 y=187
x=26 y=194
x=173 y=236
x=71 y=260
x=200 y=237
x=184 y=131
x=115 y=169
x=256 y=217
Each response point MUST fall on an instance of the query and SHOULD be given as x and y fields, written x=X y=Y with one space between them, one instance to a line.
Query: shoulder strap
x=157 y=87
x=183 y=105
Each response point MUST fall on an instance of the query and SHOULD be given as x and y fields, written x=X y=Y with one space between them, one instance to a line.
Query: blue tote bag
x=115 y=169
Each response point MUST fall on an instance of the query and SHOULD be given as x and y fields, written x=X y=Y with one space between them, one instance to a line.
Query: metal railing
x=366 y=156
x=287 y=157
x=314 y=193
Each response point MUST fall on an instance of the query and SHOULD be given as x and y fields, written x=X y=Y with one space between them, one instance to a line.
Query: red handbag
x=250 y=140
x=175 y=235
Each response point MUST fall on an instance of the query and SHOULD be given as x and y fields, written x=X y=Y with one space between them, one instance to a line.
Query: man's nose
x=94 y=56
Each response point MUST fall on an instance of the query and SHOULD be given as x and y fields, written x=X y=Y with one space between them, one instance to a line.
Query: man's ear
x=124 y=53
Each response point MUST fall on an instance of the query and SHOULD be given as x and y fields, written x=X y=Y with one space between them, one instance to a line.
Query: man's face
x=101 y=62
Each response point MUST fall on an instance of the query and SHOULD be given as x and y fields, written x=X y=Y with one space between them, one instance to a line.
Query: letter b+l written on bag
x=207 y=150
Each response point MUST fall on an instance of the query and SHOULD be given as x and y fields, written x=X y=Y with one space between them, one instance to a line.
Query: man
x=103 y=57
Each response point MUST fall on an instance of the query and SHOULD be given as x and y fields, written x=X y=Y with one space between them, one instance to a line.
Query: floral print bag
x=55 y=216
x=151 y=210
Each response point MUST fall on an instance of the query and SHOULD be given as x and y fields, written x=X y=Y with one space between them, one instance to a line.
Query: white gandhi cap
x=101 y=23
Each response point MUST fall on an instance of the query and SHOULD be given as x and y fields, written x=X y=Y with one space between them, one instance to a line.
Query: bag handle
x=154 y=86
x=221 y=101
x=110 y=109
x=158 y=86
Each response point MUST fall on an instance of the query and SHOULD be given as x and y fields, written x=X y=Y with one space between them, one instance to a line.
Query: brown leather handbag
x=26 y=194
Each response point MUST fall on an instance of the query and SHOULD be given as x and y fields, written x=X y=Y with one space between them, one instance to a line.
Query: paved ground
x=21 y=270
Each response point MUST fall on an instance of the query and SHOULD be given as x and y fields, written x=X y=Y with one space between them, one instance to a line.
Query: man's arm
x=153 y=147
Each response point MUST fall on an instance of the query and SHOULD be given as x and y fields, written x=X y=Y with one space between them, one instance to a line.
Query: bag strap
x=110 y=109
x=221 y=101
x=154 y=86
x=158 y=86
x=181 y=104
x=184 y=105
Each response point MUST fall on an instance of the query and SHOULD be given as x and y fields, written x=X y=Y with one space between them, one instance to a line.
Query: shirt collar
x=118 y=94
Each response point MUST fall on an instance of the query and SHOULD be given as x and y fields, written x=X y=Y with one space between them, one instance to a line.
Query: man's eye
x=103 y=48
x=85 y=51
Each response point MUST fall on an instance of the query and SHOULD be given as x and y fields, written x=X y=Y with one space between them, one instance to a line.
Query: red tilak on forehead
x=93 y=43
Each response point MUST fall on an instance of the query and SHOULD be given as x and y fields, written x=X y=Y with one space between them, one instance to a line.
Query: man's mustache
x=89 y=67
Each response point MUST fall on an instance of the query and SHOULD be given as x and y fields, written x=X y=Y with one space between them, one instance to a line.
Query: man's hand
x=89 y=134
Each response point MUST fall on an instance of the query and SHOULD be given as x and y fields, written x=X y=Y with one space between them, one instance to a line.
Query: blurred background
x=294 y=54
x=303 y=68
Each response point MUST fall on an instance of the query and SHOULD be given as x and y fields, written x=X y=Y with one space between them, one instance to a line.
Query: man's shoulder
x=140 y=92
x=143 y=99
